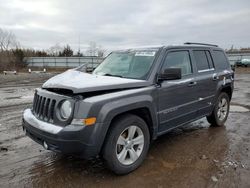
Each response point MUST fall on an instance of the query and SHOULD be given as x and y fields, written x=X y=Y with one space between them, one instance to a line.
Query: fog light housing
x=45 y=145
x=24 y=131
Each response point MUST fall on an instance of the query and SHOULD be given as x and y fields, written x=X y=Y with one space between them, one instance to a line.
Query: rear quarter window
x=220 y=60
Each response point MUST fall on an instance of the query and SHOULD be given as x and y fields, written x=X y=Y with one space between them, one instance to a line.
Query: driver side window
x=178 y=59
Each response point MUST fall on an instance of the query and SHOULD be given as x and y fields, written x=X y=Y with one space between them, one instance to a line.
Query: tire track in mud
x=21 y=85
x=25 y=160
x=16 y=96
x=10 y=108
x=28 y=104
x=17 y=151
x=10 y=119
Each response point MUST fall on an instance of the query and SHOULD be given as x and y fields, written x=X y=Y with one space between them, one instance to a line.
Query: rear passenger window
x=178 y=59
x=220 y=60
x=209 y=58
x=201 y=60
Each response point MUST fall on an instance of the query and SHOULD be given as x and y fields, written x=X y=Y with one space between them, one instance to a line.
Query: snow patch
x=234 y=108
x=73 y=79
x=27 y=97
x=33 y=121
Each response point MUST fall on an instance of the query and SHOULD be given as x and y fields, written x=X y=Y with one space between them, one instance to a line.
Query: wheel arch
x=228 y=90
x=143 y=113
x=143 y=109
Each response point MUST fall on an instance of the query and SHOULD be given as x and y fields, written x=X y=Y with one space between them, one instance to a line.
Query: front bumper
x=71 y=139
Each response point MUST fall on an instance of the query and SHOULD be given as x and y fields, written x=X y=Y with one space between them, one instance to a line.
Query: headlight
x=66 y=109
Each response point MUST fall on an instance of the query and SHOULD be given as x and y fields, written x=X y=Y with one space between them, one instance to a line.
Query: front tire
x=127 y=144
x=220 y=111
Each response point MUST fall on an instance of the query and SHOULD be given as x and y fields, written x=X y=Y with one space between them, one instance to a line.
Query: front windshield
x=132 y=64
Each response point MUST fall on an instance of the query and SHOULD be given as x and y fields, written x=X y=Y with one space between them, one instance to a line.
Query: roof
x=157 y=47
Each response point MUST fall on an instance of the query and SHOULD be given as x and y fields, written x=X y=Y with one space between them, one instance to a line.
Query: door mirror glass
x=170 y=74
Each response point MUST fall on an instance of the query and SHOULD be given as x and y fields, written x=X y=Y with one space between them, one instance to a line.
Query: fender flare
x=112 y=109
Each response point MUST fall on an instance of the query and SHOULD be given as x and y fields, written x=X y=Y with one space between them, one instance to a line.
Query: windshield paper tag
x=145 y=53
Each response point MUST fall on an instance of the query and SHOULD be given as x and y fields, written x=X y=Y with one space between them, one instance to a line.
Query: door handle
x=192 y=84
x=215 y=77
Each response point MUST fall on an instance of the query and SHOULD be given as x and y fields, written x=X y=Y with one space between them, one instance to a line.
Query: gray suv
x=129 y=100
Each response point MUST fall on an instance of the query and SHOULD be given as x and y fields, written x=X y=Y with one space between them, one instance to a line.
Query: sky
x=126 y=23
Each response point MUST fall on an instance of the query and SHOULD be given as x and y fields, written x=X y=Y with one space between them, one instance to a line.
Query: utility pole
x=79 y=45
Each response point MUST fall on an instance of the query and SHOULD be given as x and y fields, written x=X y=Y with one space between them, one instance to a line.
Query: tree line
x=12 y=55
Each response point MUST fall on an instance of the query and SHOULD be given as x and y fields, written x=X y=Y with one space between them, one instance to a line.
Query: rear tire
x=127 y=144
x=220 y=111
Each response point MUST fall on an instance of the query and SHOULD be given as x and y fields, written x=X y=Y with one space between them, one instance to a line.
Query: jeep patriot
x=130 y=99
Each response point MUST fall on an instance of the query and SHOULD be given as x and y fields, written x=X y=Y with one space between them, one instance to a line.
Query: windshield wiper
x=113 y=75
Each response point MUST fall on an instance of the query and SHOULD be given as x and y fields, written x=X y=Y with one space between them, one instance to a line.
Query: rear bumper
x=72 y=139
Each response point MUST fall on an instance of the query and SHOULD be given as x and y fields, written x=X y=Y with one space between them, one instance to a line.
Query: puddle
x=235 y=108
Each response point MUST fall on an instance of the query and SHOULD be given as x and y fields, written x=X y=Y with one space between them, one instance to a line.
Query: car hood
x=80 y=82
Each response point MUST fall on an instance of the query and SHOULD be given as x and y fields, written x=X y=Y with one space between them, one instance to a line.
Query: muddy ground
x=193 y=156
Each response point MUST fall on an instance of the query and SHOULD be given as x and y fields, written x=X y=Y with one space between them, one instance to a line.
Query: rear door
x=206 y=80
x=177 y=99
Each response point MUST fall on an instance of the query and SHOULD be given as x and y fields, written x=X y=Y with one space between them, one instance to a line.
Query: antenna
x=79 y=45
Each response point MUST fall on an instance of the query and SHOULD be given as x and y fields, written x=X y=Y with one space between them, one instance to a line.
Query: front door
x=177 y=99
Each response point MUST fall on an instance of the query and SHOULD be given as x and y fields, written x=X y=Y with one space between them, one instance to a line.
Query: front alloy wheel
x=126 y=144
x=129 y=145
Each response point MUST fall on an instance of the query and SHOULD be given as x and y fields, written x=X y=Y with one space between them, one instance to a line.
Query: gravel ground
x=193 y=156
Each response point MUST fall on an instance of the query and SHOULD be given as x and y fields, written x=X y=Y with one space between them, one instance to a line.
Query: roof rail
x=205 y=44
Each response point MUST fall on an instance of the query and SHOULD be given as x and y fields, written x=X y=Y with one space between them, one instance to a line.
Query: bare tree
x=55 y=50
x=8 y=43
x=101 y=51
x=92 y=49
x=7 y=40
x=67 y=51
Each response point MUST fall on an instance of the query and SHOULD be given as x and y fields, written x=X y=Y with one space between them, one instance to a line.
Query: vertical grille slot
x=46 y=109
x=38 y=104
x=51 y=110
x=34 y=101
x=42 y=107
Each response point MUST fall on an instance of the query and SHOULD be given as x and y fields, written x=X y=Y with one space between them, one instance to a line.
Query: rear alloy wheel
x=127 y=144
x=221 y=111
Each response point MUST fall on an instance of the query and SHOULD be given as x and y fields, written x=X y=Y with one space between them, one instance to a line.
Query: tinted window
x=220 y=60
x=179 y=59
x=201 y=60
x=211 y=64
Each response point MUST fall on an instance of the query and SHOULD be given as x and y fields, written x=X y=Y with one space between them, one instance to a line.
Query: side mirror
x=170 y=74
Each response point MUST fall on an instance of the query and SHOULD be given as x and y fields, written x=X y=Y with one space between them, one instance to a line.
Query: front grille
x=43 y=108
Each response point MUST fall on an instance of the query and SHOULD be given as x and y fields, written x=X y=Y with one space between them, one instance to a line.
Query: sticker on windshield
x=145 y=53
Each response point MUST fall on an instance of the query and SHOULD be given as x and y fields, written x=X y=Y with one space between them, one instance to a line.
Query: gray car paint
x=170 y=103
